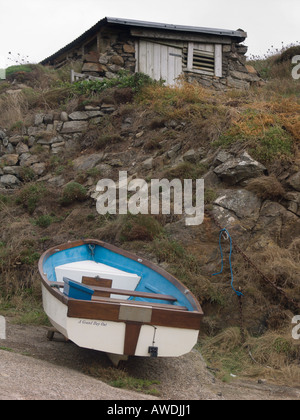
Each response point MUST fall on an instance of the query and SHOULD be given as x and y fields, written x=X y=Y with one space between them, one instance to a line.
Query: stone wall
x=22 y=156
x=117 y=52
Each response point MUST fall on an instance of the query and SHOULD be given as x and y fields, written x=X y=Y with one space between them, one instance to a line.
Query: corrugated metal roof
x=156 y=25
x=239 y=34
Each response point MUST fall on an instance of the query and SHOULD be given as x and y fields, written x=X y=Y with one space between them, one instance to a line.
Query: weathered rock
x=117 y=60
x=83 y=163
x=38 y=119
x=293 y=202
x=110 y=75
x=237 y=84
x=9 y=181
x=48 y=119
x=194 y=156
x=93 y=67
x=114 y=68
x=22 y=148
x=78 y=116
x=278 y=223
x=59 y=144
x=5 y=143
x=9 y=159
x=64 y=117
x=85 y=115
x=2 y=135
x=39 y=168
x=174 y=151
x=56 y=181
x=74 y=127
x=128 y=48
x=27 y=159
x=107 y=108
x=222 y=157
x=249 y=77
x=148 y=164
x=49 y=141
x=243 y=205
x=92 y=108
x=36 y=131
x=9 y=149
x=16 y=139
x=294 y=181
x=103 y=59
x=236 y=170
x=12 y=170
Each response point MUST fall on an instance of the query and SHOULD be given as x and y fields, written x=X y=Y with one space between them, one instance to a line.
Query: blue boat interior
x=151 y=281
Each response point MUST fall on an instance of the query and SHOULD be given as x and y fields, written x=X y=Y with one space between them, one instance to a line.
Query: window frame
x=217 y=54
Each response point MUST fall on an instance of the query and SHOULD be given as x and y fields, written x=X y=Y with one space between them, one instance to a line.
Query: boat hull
x=141 y=310
x=110 y=337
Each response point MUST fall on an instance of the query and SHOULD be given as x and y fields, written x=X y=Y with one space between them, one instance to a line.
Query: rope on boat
x=227 y=236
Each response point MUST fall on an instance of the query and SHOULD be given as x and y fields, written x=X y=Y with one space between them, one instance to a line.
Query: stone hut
x=213 y=57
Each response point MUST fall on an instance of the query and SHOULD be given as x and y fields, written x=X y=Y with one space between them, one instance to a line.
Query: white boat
x=103 y=298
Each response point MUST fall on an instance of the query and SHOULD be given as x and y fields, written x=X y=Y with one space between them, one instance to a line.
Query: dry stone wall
x=20 y=154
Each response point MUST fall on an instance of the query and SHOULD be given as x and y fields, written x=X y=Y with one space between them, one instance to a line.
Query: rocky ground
x=33 y=368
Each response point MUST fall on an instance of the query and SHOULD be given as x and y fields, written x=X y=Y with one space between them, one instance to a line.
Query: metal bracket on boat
x=153 y=351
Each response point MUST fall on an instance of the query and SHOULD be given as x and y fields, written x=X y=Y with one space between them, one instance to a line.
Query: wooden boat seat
x=139 y=303
x=107 y=291
x=134 y=293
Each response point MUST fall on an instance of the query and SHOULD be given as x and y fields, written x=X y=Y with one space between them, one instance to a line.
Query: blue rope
x=239 y=294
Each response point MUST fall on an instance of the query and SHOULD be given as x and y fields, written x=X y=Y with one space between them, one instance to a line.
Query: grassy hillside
x=151 y=120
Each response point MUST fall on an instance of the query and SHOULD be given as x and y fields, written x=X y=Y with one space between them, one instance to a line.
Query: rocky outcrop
x=237 y=170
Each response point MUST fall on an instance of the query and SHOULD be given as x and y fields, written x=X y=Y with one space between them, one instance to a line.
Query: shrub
x=73 y=192
x=44 y=221
x=105 y=140
x=263 y=133
x=288 y=54
x=266 y=187
x=27 y=174
x=140 y=228
x=123 y=80
x=30 y=196
x=185 y=170
x=15 y=70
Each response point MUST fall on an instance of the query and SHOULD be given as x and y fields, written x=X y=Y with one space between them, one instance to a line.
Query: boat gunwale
x=71 y=303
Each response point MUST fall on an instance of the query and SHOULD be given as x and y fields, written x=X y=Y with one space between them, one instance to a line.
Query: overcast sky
x=38 y=28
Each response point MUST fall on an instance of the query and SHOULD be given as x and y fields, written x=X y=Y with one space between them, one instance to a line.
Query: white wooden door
x=159 y=61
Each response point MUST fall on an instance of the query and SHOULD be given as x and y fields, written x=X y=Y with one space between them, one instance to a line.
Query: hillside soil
x=37 y=369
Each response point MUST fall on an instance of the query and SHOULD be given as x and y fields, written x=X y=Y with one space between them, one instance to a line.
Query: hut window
x=203 y=58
